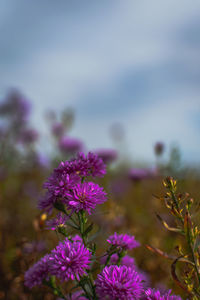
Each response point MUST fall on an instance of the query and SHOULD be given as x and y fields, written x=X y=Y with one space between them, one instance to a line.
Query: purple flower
x=37 y=273
x=57 y=129
x=90 y=165
x=153 y=294
x=59 y=220
x=121 y=282
x=47 y=202
x=35 y=246
x=69 y=260
x=59 y=184
x=123 y=241
x=126 y=260
x=70 y=145
x=137 y=174
x=28 y=136
x=85 y=196
x=107 y=155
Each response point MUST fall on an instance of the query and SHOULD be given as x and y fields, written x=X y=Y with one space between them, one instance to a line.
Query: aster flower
x=37 y=273
x=85 y=196
x=59 y=220
x=70 y=145
x=153 y=294
x=90 y=165
x=121 y=282
x=123 y=241
x=59 y=184
x=69 y=260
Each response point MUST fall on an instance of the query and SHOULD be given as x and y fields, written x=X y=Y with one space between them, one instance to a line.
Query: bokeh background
x=136 y=63
x=121 y=78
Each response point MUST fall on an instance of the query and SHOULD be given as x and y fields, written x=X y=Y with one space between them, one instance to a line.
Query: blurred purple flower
x=35 y=246
x=69 y=260
x=126 y=260
x=85 y=196
x=90 y=165
x=37 y=273
x=121 y=282
x=57 y=129
x=46 y=202
x=59 y=220
x=123 y=241
x=138 y=174
x=16 y=107
x=153 y=294
x=107 y=155
x=70 y=145
x=28 y=136
x=144 y=277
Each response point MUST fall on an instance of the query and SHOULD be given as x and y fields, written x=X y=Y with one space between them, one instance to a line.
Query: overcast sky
x=127 y=61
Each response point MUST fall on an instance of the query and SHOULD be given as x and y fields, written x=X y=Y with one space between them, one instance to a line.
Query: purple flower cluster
x=69 y=260
x=85 y=196
x=153 y=294
x=37 y=273
x=123 y=241
x=64 y=184
x=119 y=283
x=84 y=165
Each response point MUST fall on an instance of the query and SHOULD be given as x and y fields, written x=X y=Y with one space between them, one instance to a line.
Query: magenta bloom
x=70 y=145
x=59 y=220
x=107 y=155
x=123 y=241
x=69 y=260
x=85 y=196
x=121 y=282
x=37 y=273
x=90 y=165
x=153 y=294
x=59 y=184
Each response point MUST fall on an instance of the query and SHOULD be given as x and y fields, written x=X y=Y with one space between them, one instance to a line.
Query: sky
x=131 y=62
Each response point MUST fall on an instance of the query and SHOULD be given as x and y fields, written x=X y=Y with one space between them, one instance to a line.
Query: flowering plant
x=112 y=275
